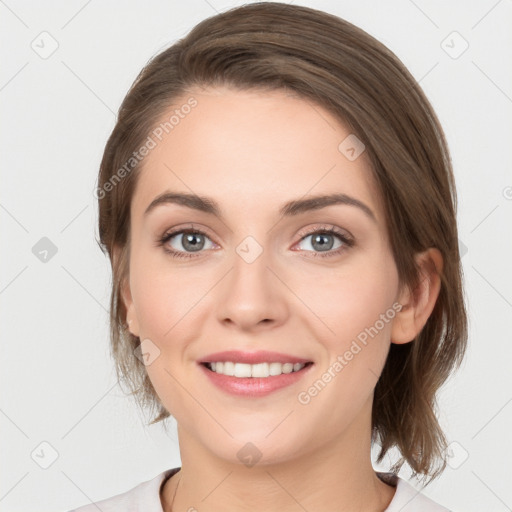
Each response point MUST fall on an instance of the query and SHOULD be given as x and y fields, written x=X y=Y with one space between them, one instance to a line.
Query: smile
x=260 y=370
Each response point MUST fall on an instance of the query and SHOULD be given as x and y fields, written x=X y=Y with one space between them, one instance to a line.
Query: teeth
x=260 y=370
x=229 y=368
x=243 y=370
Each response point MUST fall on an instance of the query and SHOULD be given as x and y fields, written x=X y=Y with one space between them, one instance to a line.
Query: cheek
x=356 y=305
x=163 y=295
x=154 y=306
x=351 y=299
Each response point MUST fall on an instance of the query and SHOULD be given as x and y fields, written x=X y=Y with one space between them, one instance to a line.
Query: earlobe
x=126 y=296
x=418 y=304
x=131 y=316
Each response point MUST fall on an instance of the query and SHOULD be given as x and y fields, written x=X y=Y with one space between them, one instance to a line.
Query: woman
x=278 y=204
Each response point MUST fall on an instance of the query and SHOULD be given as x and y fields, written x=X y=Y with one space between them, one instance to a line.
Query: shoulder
x=143 y=497
x=407 y=498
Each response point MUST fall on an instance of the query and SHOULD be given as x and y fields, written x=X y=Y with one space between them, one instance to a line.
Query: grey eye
x=191 y=241
x=321 y=242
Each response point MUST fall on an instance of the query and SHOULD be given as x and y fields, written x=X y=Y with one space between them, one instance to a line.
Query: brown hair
x=326 y=60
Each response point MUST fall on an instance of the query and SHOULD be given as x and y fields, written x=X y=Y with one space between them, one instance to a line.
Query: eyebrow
x=291 y=208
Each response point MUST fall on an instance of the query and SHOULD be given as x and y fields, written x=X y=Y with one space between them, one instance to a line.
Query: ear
x=126 y=296
x=417 y=304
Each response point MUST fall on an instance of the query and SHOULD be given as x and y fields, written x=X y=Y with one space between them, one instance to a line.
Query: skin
x=252 y=152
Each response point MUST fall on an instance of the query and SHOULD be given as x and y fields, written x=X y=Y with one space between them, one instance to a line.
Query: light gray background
x=57 y=380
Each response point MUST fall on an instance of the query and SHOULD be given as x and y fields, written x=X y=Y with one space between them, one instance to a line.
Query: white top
x=145 y=497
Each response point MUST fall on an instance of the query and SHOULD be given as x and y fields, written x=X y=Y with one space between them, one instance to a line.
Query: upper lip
x=261 y=356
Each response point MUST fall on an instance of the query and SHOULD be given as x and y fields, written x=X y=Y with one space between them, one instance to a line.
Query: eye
x=323 y=241
x=187 y=242
x=190 y=242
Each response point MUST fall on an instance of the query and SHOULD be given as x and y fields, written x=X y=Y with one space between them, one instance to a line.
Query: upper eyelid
x=329 y=228
x=336 y=231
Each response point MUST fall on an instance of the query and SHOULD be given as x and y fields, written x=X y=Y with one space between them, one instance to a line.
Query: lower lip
x=254 y=386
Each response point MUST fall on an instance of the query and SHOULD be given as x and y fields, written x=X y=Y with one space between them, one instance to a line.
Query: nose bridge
x=250 y=275
x=252 y=250
x=251 y=292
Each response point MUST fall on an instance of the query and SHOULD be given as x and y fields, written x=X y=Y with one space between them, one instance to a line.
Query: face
x=281 y=282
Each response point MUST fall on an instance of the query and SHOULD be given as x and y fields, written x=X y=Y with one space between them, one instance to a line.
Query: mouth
x=259 y=370
x=253 y=374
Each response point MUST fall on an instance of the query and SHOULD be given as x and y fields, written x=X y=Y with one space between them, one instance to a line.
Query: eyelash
x=329 y=230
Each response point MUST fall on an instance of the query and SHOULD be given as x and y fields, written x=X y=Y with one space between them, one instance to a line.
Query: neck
x=339 y=477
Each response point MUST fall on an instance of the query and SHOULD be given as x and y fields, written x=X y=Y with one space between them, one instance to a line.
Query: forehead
x=251 y=150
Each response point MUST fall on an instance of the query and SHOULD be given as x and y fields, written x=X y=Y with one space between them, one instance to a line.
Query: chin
x=255 y=446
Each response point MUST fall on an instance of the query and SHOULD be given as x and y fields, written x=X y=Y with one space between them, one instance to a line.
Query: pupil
x=323 y=246
x=190 y=244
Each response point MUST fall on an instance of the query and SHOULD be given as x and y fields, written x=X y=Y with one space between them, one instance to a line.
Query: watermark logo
x=44 y=250
x=456 y=455
x=147 y=352
x=45 y=45
x=351 y=147
x=454 y=45
x=44 y=455
x=249 y=249
x=463 y=249
x=249 y=454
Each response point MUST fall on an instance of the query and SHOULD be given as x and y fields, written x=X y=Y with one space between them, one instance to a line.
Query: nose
x=252 y=295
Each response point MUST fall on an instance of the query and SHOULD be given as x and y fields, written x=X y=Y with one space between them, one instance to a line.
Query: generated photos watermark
x=342 y=360
x=152 y=141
